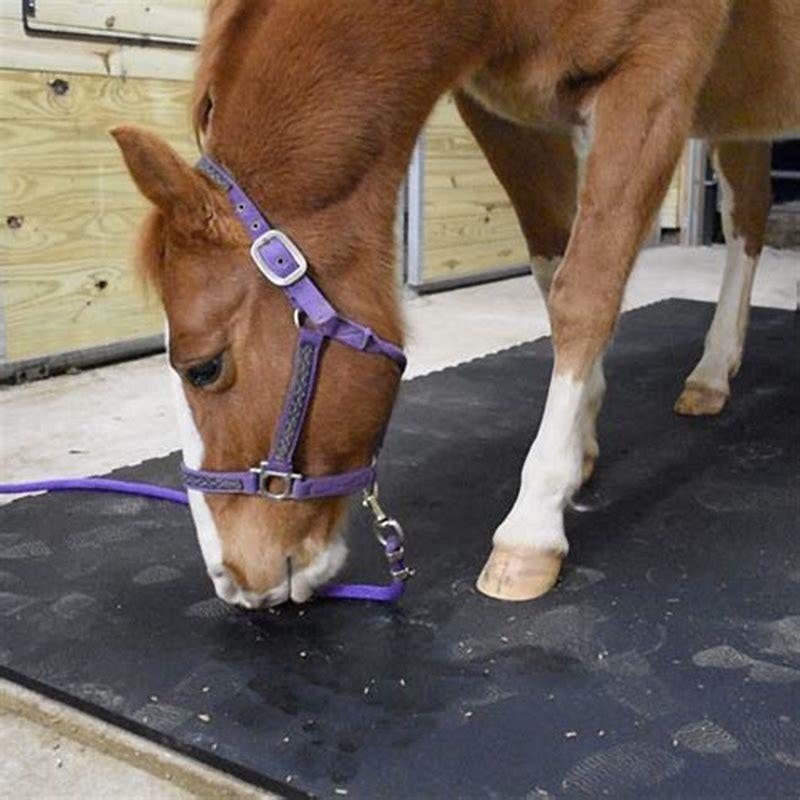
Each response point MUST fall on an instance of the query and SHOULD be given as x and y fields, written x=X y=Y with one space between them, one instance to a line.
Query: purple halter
x=282 y=263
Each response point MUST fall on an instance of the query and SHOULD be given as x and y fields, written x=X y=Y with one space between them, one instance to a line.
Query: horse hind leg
x=744 y=173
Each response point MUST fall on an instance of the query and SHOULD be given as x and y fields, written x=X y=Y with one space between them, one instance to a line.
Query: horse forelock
x=149 y=260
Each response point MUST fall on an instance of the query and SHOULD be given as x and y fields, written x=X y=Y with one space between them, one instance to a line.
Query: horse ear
x=162 y=176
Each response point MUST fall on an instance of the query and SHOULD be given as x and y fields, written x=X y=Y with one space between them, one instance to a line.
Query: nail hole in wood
x=59 y=86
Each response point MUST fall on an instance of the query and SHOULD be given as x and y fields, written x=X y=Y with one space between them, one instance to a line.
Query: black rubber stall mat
x=665 y=664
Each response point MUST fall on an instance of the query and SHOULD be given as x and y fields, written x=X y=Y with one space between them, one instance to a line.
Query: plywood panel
x=69 y=210
x=671 y=210
x=18 y=50
x=469 y=224
x=166 y=19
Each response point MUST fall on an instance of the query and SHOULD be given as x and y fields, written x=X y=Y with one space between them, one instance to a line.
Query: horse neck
x=413 y=54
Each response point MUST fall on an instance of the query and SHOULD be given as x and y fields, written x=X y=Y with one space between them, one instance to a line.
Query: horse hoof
x=700 y=401
x=521 y=574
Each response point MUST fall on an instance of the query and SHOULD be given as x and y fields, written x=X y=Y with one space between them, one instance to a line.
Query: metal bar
x=415 y=203
x=46 y=366
x=34 y=28
x=693 y=223
x=786 y=174
x=473 y=279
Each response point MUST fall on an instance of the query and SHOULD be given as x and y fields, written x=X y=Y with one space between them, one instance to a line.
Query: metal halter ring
x=387 y=529
x=287 y=479
x=384 y=526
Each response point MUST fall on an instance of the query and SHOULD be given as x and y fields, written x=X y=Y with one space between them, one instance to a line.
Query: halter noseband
x=282 y=263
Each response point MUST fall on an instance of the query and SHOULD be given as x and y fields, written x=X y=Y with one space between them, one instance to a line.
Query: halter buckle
x=291 y=248
x=267 y=475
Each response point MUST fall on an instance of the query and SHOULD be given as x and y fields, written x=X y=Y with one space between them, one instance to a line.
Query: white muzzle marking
x=303 y=581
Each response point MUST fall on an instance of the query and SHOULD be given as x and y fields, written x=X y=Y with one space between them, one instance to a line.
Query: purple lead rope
x=392 y=545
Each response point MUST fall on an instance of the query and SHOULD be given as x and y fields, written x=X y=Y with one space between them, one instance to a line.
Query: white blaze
x=206 y=528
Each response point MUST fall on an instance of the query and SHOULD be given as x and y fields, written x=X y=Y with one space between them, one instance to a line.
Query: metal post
x=415 y=220
x=694 y=205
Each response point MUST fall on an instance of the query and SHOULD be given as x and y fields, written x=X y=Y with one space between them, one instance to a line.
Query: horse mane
x=227 y=23
x=225 y=18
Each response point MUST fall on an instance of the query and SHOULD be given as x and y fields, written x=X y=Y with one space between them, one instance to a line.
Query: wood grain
x=469 y=224
x=20 y=51
x=670 y=216
x=168 y=18
x=70 y=211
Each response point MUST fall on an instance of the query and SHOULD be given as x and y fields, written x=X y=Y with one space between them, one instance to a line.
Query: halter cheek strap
x=282 y=263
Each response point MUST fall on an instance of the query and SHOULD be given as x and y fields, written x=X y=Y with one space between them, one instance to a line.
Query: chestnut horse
x=582 y=107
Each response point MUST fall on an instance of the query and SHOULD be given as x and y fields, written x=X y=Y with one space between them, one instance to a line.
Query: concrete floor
x=52 y=751
x=95 y=421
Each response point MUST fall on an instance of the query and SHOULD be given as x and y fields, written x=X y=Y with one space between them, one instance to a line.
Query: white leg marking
x=724 y=345
x=552 y=471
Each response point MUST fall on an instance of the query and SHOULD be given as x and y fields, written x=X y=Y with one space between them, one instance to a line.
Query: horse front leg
x=640 y=124
x=539 y=169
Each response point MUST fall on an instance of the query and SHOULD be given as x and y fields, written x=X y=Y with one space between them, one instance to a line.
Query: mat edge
x=161 y=761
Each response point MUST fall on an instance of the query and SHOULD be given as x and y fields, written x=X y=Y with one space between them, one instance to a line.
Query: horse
x=582 y=108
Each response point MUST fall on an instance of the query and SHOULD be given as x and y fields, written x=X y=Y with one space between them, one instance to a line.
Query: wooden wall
x=68 y=210
x=469 y=226
x=163 y=20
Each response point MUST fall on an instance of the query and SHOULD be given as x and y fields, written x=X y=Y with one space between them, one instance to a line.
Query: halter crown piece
x=283 y=264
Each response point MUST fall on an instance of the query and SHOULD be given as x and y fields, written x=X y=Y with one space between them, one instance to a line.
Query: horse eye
x=206 y=373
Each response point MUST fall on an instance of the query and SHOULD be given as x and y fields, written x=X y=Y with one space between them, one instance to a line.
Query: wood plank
x=670 y=217
x=20 y=51
x=58 y=95
x=181 y=19
x=56 y=308
x=70 y=211
x=469 y=224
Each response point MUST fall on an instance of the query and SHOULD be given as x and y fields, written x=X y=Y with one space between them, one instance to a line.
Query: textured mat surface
x=666 y=663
